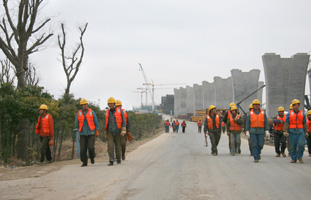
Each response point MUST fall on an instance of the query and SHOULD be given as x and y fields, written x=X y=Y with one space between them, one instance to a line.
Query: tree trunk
x=73 y=145
x=22 y=142
x=60 y=143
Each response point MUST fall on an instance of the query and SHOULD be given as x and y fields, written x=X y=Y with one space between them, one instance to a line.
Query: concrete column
x=209 y=94
x=190 y=100
x=244 y=83
x=259 y=93
x=198 y=96
x=285 y=80
x=183 y=101
x=177 y=99
x=224 y=92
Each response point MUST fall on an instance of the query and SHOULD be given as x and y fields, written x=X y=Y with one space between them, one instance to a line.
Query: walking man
x=167 y=126
x=256 y=126
x=296 y=128
x=173 y=125
x=128 y=130
x=88 y=126
x=45 y=128
x=200 y=126
x=234 y=128
x=176 y=125
x=309 y=132
x=212 y=128
x=279 y=136
x=115 y=128
x=183 y=125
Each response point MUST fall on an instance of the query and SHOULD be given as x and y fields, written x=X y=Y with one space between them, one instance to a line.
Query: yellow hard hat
x=256 y=101
x=250 y=106
x=291 y=107
x=83 y=101
x=295 y=101
x=233 y=108
x=309 y=112
x=118 y=103
x=232 y=104
x=111 y=100
x=211 y=107
x=280 y=109
x=43 y=107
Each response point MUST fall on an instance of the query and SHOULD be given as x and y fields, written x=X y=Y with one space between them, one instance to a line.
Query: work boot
x=123 y=157
x=283 y=154
x=83 y=165
x=92 y=160
x=277 y=155
x=239 y=151
x=293 y=161
x=214 y=154
x=256 y=161
x=300 y=160
x=110 y=163
x=118 y=161
x=232 y=153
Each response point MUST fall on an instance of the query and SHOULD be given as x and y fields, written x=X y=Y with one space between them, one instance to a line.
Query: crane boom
x=145 y=78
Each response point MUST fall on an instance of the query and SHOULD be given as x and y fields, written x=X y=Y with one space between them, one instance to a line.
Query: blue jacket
x=296 y=131
x=86 y=129
x=113 y=126
x=256 y=130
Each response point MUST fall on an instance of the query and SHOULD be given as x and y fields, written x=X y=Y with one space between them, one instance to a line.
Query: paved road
x=173 y=166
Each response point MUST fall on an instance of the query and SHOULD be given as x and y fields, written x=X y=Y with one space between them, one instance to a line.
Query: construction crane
x=146 y=80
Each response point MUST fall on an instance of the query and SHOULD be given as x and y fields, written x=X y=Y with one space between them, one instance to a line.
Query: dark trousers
x=279 y=138
x=87 y=142
x=199 y=129
x=45 y=149
x=123 y=144
x=214 y=137
x=183 y=129
x=114 y=144
x=309 y=143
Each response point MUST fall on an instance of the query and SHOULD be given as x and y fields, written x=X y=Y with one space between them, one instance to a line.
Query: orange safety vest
x=200 y=123
x=309 y=125
x=233 y=125
x=229 y=114
x=210 y=122
x=167 y=123
x=176 y=123
x=257 y=121
x=44 y=123
x=173 y=123
x=117 y=115
x=280 y=126
x=183 y=124
x=125 y=115
x=296 y=120
x=89 y=119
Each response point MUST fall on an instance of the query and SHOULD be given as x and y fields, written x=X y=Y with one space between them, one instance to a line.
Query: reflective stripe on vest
x=280 y=126
x=89 y=119
x=257 y=121
x=296 y=120
x=309 y=125
x=233 y=125
x=117 y=116
x=210 y=122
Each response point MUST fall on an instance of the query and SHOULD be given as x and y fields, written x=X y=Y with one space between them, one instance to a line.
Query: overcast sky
x=176 y=41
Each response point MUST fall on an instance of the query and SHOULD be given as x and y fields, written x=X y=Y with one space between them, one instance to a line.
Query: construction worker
x=234 y=128
x=200 y=123
x=167 y=126
x=128 y=130
x=225 y=120
x=173 y=125
x=183 y=125
x=296 y=129
x=212 y=128
x=88 y=126
x=287 y=138
x=176 y=125
x=279 y=133
x=223 y=125
x=309 y=132
x=115 y=128
x=256 y=126
x=250 y=107
x=45 y=128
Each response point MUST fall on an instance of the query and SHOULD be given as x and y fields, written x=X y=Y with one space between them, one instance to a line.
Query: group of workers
x=290 y=129
x=117 y=131
x=175 y=126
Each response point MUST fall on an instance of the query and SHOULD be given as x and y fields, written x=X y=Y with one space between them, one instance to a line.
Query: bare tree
x=31 y=77
x=71 y=63
x=6 y=75
x=19 y=37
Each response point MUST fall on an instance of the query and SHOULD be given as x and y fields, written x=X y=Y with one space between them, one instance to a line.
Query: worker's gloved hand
x=129 y=137
x=247 y=133
x=51 y=142
x=286 y=134
x=97 y=133
x=267 y=134
x=123 y=132
x=306 y=135
x=106 y=135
